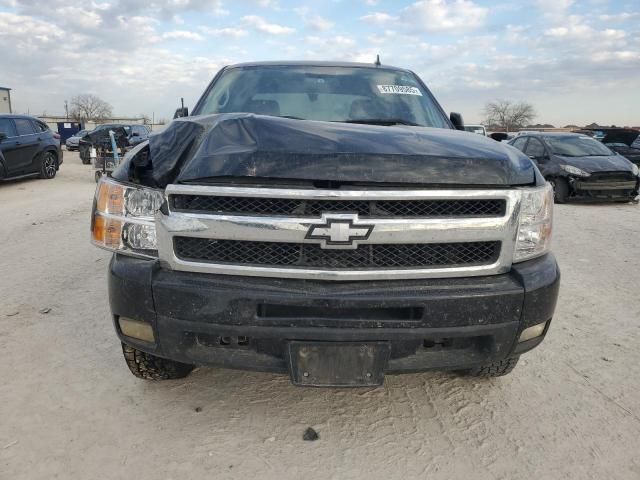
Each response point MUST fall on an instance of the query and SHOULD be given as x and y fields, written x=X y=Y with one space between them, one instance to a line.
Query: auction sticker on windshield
x=399 y=90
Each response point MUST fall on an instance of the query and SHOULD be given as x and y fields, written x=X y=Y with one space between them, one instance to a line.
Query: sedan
x=579 y=166
x=73 y=141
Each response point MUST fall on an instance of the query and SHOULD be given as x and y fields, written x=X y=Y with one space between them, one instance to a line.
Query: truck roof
x=290 y=63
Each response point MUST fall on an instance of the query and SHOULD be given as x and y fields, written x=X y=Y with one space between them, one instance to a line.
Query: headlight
x=635 y=170
x=575 y=171
x=534 y=229
x=123 y=218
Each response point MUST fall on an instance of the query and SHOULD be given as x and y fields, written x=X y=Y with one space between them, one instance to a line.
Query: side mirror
x=135 y=134
x=457 y=120
x=2 y=136
x=181 y=112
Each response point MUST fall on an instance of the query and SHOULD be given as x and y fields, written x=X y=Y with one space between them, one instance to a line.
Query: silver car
x=73 y=142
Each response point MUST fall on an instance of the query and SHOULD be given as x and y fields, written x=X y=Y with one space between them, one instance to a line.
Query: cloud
x=318 y=23
x=619 y=17
x=227 y=32
x=182 y=35
x=263 y=26
x=378 y=18
x=443 y=15
x=266 y=3
x=554 y=8
x=339 y=41
x=433 y=16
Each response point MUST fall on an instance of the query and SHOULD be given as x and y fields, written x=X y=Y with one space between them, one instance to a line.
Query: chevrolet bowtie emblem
x=340 y=230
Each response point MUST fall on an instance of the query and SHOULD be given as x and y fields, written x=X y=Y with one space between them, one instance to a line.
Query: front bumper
x=603 y=190
x=247 y=322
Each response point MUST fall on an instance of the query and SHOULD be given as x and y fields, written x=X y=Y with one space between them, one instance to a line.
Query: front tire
x=49 y=166
x=149 y=367
x=495 y=369
x=560 y=190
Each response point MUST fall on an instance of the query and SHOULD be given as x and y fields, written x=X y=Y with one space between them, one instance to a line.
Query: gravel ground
x=70 y=409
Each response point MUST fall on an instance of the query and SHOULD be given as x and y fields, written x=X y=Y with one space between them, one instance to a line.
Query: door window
x=6 y=127
x=39 y=126
x=535 y=148
x=519 y=143
x=23 y=126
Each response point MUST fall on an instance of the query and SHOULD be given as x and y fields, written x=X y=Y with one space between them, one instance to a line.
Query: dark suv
x=27 y=148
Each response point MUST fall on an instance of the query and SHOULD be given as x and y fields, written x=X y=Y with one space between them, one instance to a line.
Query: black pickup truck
x=329 y=221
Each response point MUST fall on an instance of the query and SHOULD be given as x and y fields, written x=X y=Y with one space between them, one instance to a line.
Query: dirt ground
x=70 y=409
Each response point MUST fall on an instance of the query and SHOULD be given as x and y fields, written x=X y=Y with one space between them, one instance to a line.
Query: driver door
x=537 y=152
x=10 y=146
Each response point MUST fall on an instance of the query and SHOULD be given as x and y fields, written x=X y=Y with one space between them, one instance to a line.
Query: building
x=5 y=100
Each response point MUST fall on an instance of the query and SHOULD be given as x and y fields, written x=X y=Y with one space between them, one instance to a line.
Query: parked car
x=479 y=129
x=73 y=141
x=325 y=220
x=136 y=134
x=28 y=147
x=500 y=136
x=625 y=142
x=578 y=166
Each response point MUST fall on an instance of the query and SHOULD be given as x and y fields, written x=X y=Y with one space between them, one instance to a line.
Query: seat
x=263 y=107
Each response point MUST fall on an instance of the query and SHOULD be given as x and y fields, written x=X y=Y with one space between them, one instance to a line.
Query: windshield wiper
x=383 y=121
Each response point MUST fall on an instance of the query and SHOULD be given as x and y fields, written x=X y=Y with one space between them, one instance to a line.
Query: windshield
x=581 y=146
x=335 y=94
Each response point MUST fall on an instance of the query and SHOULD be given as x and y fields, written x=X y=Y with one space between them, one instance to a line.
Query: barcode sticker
x=399 y=90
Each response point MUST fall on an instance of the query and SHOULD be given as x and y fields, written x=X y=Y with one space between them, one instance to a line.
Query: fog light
x=136 y=329
x=532 y=332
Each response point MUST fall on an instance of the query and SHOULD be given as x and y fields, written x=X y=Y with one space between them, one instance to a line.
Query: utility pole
x=66 y=109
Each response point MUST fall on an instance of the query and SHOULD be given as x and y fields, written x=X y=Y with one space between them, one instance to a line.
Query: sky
x=577 y=62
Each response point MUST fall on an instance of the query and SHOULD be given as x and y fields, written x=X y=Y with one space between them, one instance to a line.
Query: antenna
x=377 y=64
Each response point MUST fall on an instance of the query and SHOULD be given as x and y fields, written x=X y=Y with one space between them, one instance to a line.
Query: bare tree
x=508 y=115
x=89 y=107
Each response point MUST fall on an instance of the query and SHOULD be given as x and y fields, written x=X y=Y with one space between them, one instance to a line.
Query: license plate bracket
x=338 y=364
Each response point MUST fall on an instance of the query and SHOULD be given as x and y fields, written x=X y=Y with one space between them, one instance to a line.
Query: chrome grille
x=227 y=205
x=277 y=254
x=325 y=234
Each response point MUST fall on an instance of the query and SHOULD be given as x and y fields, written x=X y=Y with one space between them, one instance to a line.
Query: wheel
x=98 y=175
x=149 y=367
x=560 y=189
x=49 y=165
x=495 y=369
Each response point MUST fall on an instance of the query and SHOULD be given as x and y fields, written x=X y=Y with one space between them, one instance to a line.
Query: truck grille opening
x=365 y=208
x=277 y=254
x=298 y=312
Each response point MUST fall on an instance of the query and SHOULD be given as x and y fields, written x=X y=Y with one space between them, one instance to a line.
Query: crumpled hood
x=247 y=145
x=612 y=163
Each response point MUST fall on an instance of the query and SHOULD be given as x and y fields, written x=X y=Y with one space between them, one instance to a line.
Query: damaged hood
x=610 y=163
x=194 y=149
